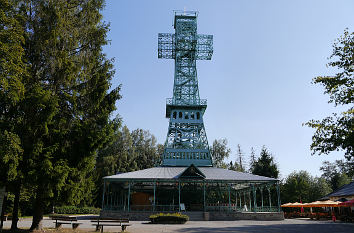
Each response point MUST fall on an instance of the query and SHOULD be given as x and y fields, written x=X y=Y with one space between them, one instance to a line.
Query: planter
x=169 y=218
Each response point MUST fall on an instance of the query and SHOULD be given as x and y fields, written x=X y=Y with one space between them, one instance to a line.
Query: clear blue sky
x=258 y=83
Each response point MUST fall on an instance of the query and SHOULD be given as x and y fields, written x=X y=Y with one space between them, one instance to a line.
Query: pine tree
x=64 y=114
x=13 y=70
x=265 y=165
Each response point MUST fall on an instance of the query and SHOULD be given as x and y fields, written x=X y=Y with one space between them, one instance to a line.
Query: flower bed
x=162 y=218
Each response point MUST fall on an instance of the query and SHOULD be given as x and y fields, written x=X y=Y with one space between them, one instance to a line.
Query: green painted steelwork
x=278 y=194
x=179 y=196
x=262 y=196
x=204 y=203
x=154 y=195
x=118 y=196
x=270 y=198
x=186 y=141
x=249 y=199
x=254 y=198
x=104 y=190
x=229 y=191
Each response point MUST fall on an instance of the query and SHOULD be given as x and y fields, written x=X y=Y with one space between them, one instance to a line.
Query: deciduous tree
x=336 y=132
x=219 y=152
x=301 y=186
x=336 y=174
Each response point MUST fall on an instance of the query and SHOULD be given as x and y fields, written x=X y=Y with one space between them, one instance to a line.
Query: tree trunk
x=38 y=211
x=3 y=210
x=15 y=209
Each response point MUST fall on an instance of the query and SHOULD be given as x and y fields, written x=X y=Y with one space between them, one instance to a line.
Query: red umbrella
x=302 y=208
x=347 y=203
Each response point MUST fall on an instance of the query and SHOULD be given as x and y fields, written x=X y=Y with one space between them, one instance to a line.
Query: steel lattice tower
x=186 y=141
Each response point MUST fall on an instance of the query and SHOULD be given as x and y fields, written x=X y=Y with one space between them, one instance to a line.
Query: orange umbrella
x=327 y=203
x=286 y=205
x=296 y=204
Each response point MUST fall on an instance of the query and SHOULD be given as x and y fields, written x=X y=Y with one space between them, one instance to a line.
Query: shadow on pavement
x=281 y=228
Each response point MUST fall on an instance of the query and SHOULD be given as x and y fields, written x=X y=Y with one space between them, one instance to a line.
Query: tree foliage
x=336 y=132
x=238 y=164
x=219 y=152
x=146 y=150
x=337 y=173
x=252 y=160
x=63 y=117
x=128 y=151
x=265 y=165
x=301 y=186
x=12 y=71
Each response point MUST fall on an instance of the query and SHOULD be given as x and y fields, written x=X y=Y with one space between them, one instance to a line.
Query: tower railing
x=184 y=102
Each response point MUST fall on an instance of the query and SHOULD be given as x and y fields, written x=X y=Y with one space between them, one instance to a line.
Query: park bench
x=59 y=220
x=5 y=217
x=101 y=222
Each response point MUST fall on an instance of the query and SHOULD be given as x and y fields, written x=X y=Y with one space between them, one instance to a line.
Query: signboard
x=182 y=207
x=2 y=196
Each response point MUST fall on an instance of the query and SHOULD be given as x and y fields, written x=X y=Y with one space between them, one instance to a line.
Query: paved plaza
x=286 y=226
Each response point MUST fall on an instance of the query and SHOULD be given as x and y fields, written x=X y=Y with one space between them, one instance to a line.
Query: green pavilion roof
x=174 y=173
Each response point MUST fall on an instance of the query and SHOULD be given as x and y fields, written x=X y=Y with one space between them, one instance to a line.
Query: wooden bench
x=5 y=217
x=101 y=222
x=59 y=220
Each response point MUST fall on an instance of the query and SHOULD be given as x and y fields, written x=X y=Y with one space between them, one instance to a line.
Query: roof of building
x=172 y=173
x=345 y=190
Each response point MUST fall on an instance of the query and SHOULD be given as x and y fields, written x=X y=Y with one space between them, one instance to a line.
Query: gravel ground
x=286 y=226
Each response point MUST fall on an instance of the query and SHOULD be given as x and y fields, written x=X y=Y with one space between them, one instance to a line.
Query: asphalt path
x=285 y=226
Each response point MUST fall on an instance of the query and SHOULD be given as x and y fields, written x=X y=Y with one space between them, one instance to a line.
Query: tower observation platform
x=186 y=141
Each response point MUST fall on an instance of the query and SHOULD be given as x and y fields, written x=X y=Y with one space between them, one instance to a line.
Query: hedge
x=176 y=218
x=76 y=210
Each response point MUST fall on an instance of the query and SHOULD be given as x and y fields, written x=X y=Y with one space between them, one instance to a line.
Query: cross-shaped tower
x=186 y=141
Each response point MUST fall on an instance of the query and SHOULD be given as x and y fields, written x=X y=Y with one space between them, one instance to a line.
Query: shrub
x=76 y=210
x=176 y=218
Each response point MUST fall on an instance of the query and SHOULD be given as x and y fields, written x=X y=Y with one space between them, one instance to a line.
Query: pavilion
x=203 y=189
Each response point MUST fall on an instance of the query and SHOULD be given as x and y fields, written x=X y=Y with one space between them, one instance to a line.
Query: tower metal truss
x=186 y=141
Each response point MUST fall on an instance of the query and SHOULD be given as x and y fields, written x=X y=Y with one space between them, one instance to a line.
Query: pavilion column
x=249 y=198
x=278 y=194
x=204 y=196
x=240 y=196
x=229 y=191
x=154 y=203
x=254 y=198
x=129 y=196
x=235 y=199
x=179 y=196
x=111 y=193
x=262 y=197
x=103 y=193
x=270 y=199
x=244 y=197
